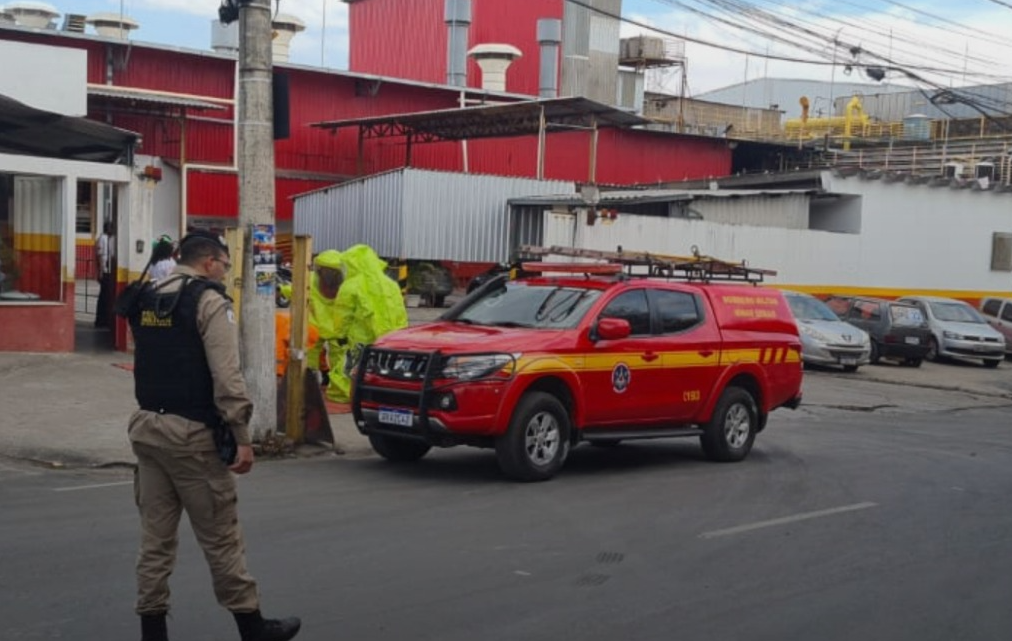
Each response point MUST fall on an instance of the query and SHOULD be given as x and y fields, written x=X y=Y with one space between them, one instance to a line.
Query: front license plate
x=982 y=348
x=848 y=361
x=912 y=340
x=403 y=418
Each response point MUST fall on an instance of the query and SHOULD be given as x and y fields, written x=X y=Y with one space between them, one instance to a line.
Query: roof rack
x=696 y=267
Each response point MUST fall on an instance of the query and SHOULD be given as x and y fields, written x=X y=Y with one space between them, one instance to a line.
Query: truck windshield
x=538 y=306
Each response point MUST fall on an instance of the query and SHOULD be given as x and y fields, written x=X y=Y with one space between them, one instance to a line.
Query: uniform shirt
x=216 y=324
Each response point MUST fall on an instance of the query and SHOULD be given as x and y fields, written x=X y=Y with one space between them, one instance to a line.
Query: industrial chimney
x=285 y=28
x=112 y=25
x=458 y=22
x=549 y=38
x=494 y=60
x=34 y=15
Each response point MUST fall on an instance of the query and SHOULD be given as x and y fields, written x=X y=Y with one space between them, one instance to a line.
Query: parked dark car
x=898 y=330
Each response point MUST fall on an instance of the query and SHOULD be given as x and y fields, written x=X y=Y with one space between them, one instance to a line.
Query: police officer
x=187 y=377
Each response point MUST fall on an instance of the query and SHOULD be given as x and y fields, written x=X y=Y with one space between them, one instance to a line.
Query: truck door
x=622 y=379
x=689 y=342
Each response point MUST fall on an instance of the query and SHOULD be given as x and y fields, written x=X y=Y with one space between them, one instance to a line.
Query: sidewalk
x=72 y=409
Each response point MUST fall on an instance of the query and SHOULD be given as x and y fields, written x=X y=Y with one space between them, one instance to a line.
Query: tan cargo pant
x=166 y=483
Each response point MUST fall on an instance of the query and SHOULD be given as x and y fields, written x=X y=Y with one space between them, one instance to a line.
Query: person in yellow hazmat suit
x=323 y=314
x=369 y=305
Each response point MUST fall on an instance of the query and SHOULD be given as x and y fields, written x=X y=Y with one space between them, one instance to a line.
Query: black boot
x=253 y=627
x=153 y=627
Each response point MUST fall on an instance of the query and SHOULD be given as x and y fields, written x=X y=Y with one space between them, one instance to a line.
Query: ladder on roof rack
x=647 y=265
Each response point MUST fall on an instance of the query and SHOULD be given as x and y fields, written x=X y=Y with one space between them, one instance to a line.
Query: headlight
x=953 y=335
x=814 y=334
x=468 y=368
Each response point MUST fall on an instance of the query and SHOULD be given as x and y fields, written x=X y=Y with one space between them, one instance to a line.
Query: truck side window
x=676 y=311
x=631 y=306
x=991 y=307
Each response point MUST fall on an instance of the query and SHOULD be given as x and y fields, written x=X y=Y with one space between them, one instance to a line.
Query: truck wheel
x=729 y=434
x=992 y=363
x=932 y=354
x=876 y=354
x=537 y=442
x=399 y=450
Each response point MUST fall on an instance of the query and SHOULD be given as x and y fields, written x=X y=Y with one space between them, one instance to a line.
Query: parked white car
x=998 y=313
x=825 y=339
x=958 y=330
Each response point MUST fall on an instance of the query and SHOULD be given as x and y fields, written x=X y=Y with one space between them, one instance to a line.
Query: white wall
x=911 y=238
x=49 y=78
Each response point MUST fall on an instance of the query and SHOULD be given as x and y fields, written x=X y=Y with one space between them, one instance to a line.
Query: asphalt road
x=891 y=522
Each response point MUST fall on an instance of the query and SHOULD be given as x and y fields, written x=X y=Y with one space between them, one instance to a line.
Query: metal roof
x=27 y=131
x=150 y=97
x=495 y=121
x=34 y=132
x=643 y=196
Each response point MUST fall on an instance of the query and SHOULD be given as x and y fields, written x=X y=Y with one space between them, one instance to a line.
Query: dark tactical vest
x=171 y=374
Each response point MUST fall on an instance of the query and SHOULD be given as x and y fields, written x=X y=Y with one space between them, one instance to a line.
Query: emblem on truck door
x=620 y=377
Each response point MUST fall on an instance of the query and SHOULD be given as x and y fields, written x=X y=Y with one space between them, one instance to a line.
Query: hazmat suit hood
x=361 y=260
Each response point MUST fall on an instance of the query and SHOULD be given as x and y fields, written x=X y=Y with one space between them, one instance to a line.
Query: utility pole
x=256 y=210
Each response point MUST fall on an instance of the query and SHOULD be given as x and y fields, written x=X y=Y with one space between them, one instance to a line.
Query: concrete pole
x=256 y=207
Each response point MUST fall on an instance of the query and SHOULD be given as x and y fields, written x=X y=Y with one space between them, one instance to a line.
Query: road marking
x=804 y=516
x=91 y=487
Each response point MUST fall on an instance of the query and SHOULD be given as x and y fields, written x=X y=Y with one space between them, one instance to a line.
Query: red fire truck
x=631 y=346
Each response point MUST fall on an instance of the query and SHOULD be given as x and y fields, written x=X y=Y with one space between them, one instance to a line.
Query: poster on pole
x=264 y=259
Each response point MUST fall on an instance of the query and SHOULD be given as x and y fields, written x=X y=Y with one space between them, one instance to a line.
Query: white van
x=998 y=312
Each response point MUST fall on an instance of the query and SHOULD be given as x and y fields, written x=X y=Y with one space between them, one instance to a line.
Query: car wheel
x=932 y=354
x=914 y=362
x=537 y=442
x=398 y=450
x=876 y=356
x=729 y=434
x=850 y=369
x=992 y=363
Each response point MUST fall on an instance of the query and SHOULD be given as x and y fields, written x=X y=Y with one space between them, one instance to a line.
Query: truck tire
x=398 y=450
x=729 y=434
x=536 y=444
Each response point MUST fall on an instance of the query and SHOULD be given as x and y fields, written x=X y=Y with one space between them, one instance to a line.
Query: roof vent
x=112 y=25
x=74 y=22
x=494 y=60
x=285 y=28
x=34 y=15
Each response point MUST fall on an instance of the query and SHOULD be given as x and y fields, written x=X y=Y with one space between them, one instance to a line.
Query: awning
x=494 y=121
x=34 y=132
x=149 y=97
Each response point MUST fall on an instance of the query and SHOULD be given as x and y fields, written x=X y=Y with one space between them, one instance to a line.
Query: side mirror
x=612 y=329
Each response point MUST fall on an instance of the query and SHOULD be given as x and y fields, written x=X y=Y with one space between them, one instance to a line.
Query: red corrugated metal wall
x=516 y=23
x=408 y=39
x=399 y=38
x=217 y=194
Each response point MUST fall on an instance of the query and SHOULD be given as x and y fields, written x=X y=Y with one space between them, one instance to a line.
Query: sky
x=961 y=40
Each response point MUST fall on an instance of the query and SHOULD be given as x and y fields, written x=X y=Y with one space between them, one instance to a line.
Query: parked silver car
x=825 y=339
x=958 y=330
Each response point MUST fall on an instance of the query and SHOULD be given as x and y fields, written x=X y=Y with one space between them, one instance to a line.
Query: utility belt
x=224 y=439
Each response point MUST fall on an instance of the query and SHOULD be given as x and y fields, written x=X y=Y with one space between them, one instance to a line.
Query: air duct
x=285 y=27
x=494 y=60
x=549 y=38
x=34 y=15
x=112 y=25
x=458 y=23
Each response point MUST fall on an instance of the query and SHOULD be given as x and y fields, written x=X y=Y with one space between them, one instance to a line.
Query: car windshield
x=905 y=315
x=956 y=312
x=810 y=308
x=517 y=304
